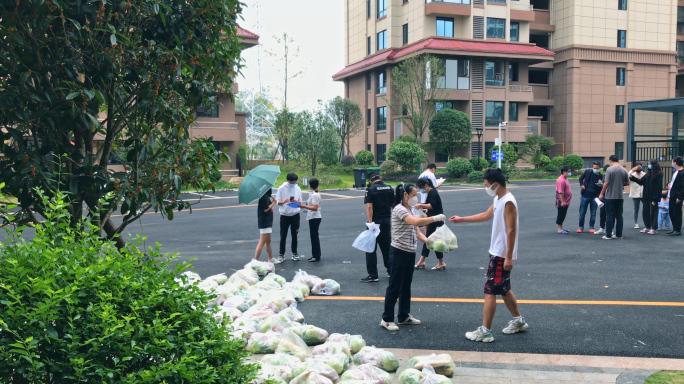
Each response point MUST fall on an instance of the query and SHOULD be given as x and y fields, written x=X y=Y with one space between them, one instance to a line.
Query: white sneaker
x=480 y=334
x=410 y=321
x=389 y=326
x=279 y=259
x=636 y=226
x=515 y=326
x=607 y=238
x=275 y=260
x=295 y=257
x=601 y=231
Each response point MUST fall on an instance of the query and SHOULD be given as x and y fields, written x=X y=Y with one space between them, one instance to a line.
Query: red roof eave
x=441 y=44
x=245 y=34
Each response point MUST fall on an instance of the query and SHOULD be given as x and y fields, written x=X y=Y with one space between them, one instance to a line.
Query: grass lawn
x=666 y=377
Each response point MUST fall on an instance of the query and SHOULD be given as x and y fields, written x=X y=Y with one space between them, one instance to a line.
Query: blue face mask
x=423 y=191
x=291 y=185
x=650 y=166
x=596 y=171
x=569 y=174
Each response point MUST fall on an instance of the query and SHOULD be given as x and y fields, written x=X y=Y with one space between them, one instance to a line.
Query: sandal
x=439 y=267
x=563 y=232
x=419 y=266
x=313 y=259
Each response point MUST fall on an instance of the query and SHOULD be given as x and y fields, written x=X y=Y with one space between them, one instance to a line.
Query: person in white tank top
x=503 y=250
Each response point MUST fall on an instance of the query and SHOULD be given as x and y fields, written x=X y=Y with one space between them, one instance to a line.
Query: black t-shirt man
x=381 y=196
x=379 y=202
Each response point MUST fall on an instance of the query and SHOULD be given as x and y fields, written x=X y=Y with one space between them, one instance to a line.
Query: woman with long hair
x=405 y=237
x=652 y=182
x=265 y=224
x=313 y=216
x=433 y=204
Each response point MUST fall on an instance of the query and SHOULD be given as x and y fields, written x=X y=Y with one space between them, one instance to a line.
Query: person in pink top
x=563 y=197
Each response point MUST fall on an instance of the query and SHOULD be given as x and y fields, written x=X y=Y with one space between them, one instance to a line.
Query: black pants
x=383 y=240
x=602 y=215
x=401 y=276
x=562 y=212
x=291 y=223
x=650 y=214
x=614 y=208
x=314 y=224
x=431 y=228
x=676 y=214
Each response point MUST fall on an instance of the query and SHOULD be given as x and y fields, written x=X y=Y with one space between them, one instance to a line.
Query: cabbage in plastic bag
x=246 y=275
x=330 y=348
x=295 y=292
x=410 y=376
x=276 y=324
x=310 y=334
x=281 y=359
x=301 y=287
x=293 y=313
x=309 y=377
x=262 y=268
x=304 y=278
x=221 y=278
x=268 y=285
x=263 y=342
x=385 y=360
x=188 y=278
x=443 y=364
x=442 y=240
x=327 y=287
x=355 y=342
x=367 y=372
x=270 y=373
x=430 y=377
x=339 y=362
x=291 y=344
x=275 y=277
x=318 y=366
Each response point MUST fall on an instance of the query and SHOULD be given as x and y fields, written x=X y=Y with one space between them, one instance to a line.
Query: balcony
x=219 y=130
x=520 y=93
x=541 y=94
x=447 y=7
x=680 y=32
x=522 y=12
x=542 y=21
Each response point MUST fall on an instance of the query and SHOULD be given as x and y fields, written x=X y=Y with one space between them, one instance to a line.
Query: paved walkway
x=527 y=368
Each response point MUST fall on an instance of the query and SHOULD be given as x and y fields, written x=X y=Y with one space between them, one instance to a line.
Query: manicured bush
x=540 y=161
x=365 y=157
x=459 y=167
x=479 y=163
x=552 y=168
x=389 y=167
x=348 y=160
x=75 y=309
x=475 y=176
x=408 y=155
x=557 y=161
x=574 y=161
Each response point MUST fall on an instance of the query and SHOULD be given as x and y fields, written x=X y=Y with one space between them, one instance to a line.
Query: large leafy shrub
x=479 y=163
x=348 y=160
x=557 y=161
x=408 y=155
x=574 y=161
x=476 y=176
x=540 y=161
x=74 y=309
x=389 y=166
x=552 y=168
x=459 y=167
x=365 y=157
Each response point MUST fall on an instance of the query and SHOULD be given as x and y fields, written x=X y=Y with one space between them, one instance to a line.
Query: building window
x=497 y=1
x=382 y=85
x=212 y=111
x=622 y=5
x=382 y=119
x=513 y=72
x=368 y=117
x=494 y=73
x=404 y=110
x=538 y=76
x=439 y=105
x=397 y=128
x=382 y=8
x=619 y=114
x=369 y=148
x=620 y=151
x=622 y=38
x=382 y=40
x=441 y=157
x=512 y=111
x=445 y=27
x=620 y=76
x=496 y=28
x=381 y=149
x=404 y=1
x=404 y=34
x=456 y=74
x=368 y=10
x=368 y=45
x=515 y=31
x=368 y=82
x=494 y=113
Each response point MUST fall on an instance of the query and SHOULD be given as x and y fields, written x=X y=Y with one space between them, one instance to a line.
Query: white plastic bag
x=366 y=240
x=327 y=287
x=367 y=372
x=430 y=377
x=260 y=267
x=355 y=342
x=291 y=344
x=318 y=366
x=380 y=358
x=442 y=240
x=310 y=377
x=442 y=364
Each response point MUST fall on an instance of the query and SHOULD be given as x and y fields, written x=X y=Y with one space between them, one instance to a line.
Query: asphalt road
x=552 y=268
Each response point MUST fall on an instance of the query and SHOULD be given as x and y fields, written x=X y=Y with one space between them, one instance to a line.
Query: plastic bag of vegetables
x=355 y=342
x=291 y=344
x=419 y=213
x=259 y=312
x=275 y=277
x=410 y=376
x=262 y=268
x=330 y=348
x=385 y=360
x=318 y=366
x=282 y=371
x=311 y=335
x=305 y=278
x=442 y=240
x=268 y=285
x=281 y=359
x=263 y=342
x=339 y=361
x=268 y=373
x=327 y=287
x=357 y=382
x=221 y=278
x=368 y=372
x=187 y=278
x=443 y=364
x=309 y=377
x=276 y=324
x=293 y=313
x=295 y=292
x=302 y=287
x=430 y=377
x=247 y=275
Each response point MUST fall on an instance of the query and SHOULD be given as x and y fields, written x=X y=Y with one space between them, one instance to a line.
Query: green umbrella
x=257 y=181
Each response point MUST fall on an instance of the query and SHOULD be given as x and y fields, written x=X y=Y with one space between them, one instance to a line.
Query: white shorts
x=264 y=231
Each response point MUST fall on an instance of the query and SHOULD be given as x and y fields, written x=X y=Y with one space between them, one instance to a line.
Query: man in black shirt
x=590 y=185
x=379 y=201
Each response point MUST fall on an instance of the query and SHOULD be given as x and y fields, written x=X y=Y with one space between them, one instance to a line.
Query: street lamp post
x=479 y=146
x=501 y=124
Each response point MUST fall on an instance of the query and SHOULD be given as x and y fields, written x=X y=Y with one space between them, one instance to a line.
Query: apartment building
x=563 y=68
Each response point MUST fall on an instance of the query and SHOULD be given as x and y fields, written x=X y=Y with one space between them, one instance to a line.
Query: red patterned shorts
x=498 y=281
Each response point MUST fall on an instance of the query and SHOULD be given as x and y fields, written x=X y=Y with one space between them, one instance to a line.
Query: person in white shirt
x=502 y=252
x=429 y=173
x=288 y=193
x=313 y=216
x=636 y=192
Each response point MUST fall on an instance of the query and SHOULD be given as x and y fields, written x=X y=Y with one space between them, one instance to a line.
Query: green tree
x=540 y=161
x=575 y=162
x=282 y=131
x=365 y=157
x=407 y=155
x=314 y=137
x=510 y=155
x=535 y=146
x=146 y=65
x=450 y=130
x=415 y=89
x=347 y=119
x=459 y=167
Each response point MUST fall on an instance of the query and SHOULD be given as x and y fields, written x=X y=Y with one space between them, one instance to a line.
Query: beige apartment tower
x=561 y=68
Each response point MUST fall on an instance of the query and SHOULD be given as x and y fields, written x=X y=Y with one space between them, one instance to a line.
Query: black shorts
x=498 y=280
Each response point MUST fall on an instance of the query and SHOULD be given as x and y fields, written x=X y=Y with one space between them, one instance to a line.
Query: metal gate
x=662 y=150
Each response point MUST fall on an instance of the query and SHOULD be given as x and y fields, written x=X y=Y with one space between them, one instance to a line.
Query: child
x=664 y=214
x=313 y=216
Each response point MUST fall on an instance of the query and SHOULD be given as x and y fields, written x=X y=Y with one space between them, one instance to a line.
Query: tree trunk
x=110 y=230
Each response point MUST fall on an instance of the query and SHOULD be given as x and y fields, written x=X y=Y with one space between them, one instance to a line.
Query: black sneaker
x=676 y=233
x=295 y=257
x=369 y=280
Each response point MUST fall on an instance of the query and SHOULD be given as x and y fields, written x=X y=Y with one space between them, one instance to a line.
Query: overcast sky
x=317 y=28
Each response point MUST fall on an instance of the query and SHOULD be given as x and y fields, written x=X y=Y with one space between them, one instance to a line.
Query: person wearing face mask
x=265 y=224
x=433 y=204
x=563 y=197
x=652 y=184
x=405 y=237
x=289 y=192
x=636 y=191
x=379 y=201
x=503 y=251
x=590 y=187
x=676 y=195
x=613 y=189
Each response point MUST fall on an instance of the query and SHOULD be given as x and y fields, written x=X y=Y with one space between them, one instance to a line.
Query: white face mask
x=413 y=201
x=491 y=192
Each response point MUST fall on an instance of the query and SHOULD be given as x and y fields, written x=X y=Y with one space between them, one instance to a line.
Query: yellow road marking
x=548 y=302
